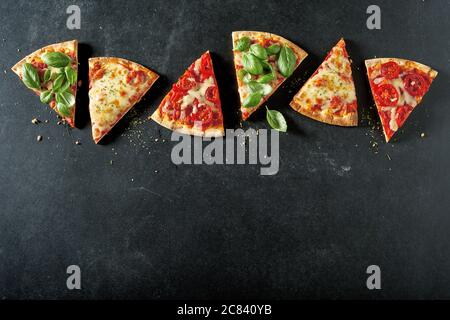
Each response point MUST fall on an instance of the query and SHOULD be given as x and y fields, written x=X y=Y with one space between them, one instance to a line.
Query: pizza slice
x=263 y=61
x=329 y=94
x=52 y=72
x=398 y=86
x=115 y=86
x=193 y=105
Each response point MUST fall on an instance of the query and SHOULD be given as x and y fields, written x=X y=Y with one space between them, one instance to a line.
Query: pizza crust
x=184 y=129
x=347 y=120
x=299 y=52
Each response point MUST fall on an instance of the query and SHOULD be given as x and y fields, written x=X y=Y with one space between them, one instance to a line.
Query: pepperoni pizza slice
x=115 y=86
x=263 y=61
x=329 y=95
x=398 y=86
x=193 y=105
x=51 y=73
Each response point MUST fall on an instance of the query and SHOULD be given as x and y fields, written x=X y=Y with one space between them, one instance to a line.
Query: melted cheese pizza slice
x=329 y=95
x=398 y=86
x=115 y=86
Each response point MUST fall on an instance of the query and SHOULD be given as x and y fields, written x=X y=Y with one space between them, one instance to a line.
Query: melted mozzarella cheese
x=198 y=92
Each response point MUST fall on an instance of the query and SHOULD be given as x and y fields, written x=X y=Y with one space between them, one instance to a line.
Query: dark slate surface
x=336 y=206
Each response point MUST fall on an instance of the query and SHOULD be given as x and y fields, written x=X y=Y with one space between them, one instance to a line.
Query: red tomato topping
x=186 y=83
x=211 y=94
x=352 y=107
x=415 y=84
x=386 y=95
x=204 y=115
x=403 y=113
x=390 y=70
x=206 y=69
x=385 y=118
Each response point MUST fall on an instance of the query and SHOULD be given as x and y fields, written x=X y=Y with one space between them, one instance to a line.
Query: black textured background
x=337 y=205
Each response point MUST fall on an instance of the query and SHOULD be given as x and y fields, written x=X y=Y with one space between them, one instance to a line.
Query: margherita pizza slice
x=398 y=86
x=329 y=95
x=115 y=86
x=193 y=105
x=263 y=61
x=51 y=72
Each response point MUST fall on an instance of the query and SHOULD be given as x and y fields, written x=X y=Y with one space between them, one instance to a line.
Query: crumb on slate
x=35 y=121
x=422 y=135
x=39 y=138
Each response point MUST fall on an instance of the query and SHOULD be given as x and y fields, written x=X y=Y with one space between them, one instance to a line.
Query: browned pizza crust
x=348 y=120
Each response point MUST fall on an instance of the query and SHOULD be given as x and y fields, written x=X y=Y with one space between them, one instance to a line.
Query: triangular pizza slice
x=398 y=86
x=52 y=72
x=115 y=86
x=193 y=105
x=329 y=94
x=263 y=61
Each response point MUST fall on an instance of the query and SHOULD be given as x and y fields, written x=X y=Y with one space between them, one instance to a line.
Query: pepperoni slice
x=186 y=83
x=386 y=95
x=390 y=70
x=415 y=84
x=211 y=94
x=206 y=69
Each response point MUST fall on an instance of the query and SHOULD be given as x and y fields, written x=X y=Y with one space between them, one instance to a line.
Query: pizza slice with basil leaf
x=51 y=72
x=398 y=86
x=193 y=105
x=115 y=86
x=329 y=95
x=263 y=61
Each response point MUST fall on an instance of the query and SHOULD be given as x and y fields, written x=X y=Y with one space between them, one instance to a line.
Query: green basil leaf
x=241 y=74
x=276 y=120
x=56 y=59
x=286 y=61
x=63 y=109
x=266 y=78
x=252 y=100
x=258 y=51
x=273 y=49
x=46 y=96
x=71 y=75
x=30 y=76
x=252 y=64
x=63 y=87
x=66 y=98
x=56 y=72
x=242 y=44
x=255 y=86
x=47 y=75
x=58 y=82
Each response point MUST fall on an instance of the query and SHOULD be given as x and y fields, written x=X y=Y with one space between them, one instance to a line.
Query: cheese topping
x=198 y=92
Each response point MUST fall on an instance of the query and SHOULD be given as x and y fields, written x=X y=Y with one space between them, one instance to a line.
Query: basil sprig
x=56 y=81
x=276 y=120
x=56 y=59
x=30 y=76
x=286 y=61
